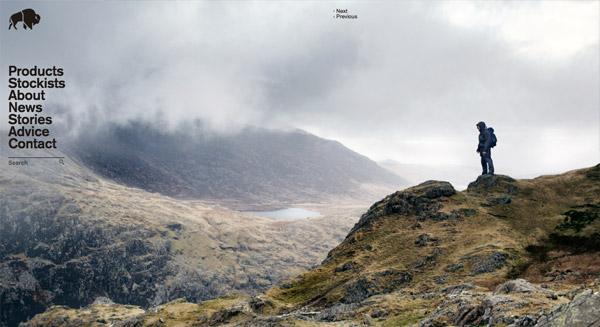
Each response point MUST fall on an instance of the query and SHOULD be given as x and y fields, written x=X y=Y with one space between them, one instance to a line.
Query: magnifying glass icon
x=62 y=162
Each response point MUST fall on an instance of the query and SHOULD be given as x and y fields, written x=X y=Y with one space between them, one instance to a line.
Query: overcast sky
x=406 y=81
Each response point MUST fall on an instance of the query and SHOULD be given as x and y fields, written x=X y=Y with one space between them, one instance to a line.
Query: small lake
x=286 y=214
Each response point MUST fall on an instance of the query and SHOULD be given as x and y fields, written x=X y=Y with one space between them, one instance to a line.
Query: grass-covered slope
x=422 y=239
x=498 y=228
x=503 y=252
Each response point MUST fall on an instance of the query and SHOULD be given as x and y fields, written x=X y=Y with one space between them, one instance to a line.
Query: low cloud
x=406 y=81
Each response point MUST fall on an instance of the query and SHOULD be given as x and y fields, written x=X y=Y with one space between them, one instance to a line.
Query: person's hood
x=481 y=126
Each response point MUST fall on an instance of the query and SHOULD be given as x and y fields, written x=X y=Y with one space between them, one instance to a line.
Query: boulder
x=259 y=303
x=499 y=200
x=518 y=286
x=422 y=240
x=381 y=282
x=102 y=300
x=345 y=267
x=440 y=279
x=428 y=260
x=224 y=315
x=490 y=263
x=493 y=184
x=358 y=291
x=457 y=289
x=337 y=312
x=454 y=267
x=433 y=189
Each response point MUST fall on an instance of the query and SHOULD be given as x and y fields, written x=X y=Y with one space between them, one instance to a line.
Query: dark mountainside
x=253 y=166
x=504 y=252
x=68 y=237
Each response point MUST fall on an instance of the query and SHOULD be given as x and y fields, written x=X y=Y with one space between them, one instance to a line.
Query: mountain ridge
x=254 y=165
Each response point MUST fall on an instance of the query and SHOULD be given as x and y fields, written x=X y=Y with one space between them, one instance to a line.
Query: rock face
x=583 y=311
x=70 y=261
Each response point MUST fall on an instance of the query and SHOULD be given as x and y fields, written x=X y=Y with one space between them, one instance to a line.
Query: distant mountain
x=254 y=165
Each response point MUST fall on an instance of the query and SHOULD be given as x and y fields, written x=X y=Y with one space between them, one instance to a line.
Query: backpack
x=492 y=137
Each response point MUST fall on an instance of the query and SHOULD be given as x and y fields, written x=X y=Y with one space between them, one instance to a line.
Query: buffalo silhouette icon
x=27 y=16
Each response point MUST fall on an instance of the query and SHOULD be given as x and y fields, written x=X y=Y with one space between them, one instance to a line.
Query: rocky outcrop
x=582 y=311
x=379 y=283
x=420 y=200
x=464 y=306
x=51 y=257
x=487 y=263
x=493 y=184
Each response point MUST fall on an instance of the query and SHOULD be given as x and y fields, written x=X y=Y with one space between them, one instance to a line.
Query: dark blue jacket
x=485 y=140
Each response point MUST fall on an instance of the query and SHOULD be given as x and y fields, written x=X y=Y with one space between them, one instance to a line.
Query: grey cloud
x=399 y=74
x=312 y=73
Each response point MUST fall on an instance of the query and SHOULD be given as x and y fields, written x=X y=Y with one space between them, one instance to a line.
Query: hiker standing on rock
x=487 y=140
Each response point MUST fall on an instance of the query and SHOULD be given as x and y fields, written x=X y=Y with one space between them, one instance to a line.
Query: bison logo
x=27 y=16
